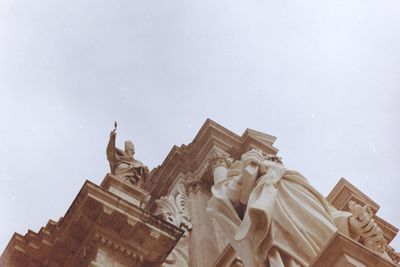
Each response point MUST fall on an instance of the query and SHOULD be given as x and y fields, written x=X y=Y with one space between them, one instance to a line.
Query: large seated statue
x=123 y=164
x=273 y=217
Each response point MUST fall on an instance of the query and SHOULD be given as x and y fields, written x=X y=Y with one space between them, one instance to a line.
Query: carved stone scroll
x=172 y=208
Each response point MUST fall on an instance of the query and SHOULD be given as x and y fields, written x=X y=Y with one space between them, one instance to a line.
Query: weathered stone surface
x=123 y=164
x=162 y=221
x=342 y=251
x=97 y=221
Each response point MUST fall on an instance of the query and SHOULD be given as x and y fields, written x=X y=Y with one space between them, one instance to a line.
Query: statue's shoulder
x=294 y=175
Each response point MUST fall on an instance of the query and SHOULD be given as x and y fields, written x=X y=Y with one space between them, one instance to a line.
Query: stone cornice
x=344 y=191
x=94 y=212
x=188 y=159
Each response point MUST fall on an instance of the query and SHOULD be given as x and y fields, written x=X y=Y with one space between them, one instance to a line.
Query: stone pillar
x=206 y=238
x=219 y=164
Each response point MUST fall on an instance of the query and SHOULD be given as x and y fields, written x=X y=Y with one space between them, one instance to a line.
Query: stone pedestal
x=228 y=258
x=342 y=251
x=133 y=194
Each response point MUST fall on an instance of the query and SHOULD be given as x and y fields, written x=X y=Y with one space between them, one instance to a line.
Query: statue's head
x=129 y=148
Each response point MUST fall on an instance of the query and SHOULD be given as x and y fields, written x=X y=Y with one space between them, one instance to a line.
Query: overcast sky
x=322 y=76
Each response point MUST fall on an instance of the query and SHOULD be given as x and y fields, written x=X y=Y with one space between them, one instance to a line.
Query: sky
x=322 y=76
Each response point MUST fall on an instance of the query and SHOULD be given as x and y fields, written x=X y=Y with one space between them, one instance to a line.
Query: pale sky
x=322 y=76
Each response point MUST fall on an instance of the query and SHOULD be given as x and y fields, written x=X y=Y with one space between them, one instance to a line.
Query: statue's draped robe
x=124 y=166
x=284 y=225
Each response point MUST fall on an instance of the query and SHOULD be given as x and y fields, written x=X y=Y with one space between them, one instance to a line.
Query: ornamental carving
x=395 y=256
x=172 y=208
x=269 y=203
x=219 y=159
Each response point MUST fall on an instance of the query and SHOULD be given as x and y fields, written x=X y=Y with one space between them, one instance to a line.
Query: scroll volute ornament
x=172 y=208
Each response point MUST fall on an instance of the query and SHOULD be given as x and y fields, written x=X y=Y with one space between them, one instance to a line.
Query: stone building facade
x=163 y=221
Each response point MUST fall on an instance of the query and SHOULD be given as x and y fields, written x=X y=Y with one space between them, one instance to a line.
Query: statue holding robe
x=273 y=217
x=123 y=164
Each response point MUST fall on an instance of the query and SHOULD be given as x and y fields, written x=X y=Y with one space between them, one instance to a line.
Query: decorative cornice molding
x=94 y=211
x=190 y=158
x=135 y=256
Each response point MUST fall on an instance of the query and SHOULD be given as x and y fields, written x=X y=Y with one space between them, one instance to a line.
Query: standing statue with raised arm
x=123 y=164
x=273 y=217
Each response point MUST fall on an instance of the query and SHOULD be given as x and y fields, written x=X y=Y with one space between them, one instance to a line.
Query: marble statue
x=273 y=217
x=123 y=164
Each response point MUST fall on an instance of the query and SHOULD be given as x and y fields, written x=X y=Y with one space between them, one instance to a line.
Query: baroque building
x=182 y=213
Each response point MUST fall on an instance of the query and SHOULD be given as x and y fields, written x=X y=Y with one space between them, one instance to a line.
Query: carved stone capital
x=219 y=159
x=172 y=208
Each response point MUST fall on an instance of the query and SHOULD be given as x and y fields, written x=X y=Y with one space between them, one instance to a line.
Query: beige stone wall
x=206 y=238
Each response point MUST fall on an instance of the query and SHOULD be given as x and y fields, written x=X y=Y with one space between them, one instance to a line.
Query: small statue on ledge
x=123 y=164
x=373 y=238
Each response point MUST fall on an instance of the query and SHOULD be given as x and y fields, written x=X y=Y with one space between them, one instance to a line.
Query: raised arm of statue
x=123 y=165
x=111 y=146
x=112 y=156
